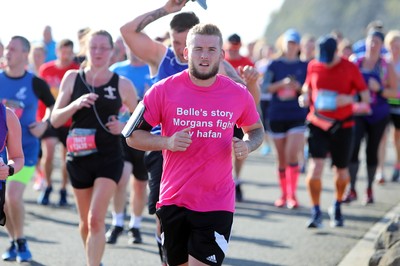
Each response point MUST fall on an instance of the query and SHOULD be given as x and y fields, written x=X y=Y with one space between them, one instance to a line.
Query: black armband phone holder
x=134 y=121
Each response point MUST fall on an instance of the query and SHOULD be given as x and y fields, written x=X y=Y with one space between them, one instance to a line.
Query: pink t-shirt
x=200 y=178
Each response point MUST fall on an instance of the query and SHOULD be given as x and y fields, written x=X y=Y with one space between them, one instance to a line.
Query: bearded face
x=203 y=75
x=204 y=55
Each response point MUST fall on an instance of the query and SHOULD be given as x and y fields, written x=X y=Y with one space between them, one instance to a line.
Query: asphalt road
x=262 y=234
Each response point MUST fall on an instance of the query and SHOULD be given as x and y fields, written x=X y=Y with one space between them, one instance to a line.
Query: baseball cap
x=234 y=39
x=326 y=49
x=291 y=35
x=234 y=42
x=202 y=3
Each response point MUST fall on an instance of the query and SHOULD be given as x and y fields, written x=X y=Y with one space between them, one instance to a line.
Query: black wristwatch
x=10 y=170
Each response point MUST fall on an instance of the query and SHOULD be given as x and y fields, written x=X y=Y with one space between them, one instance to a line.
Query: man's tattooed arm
x=254 y=137
x=151 y=17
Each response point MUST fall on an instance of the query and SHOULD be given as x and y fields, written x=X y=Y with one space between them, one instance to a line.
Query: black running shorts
x=61 y=133
x=84 y=170
x=136 y=158
x=203 y=235
x=395 y=118
x=338 y=144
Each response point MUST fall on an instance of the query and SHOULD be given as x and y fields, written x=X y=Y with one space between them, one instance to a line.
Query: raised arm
x=147 y=49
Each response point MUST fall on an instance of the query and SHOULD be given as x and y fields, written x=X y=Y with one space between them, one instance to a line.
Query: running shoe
x=369 y=197
x=380 y=178
x=63 y=198
x=292 y=203
x=280 y=202
x=23 y=253
x=396 y=175
x=11 y=252
x=113 y=233
x=44 y=197
x=336 y=217
x=350 y=196
x=135 y=236
x=40 y=182
x=239 y=193
x=315 y=221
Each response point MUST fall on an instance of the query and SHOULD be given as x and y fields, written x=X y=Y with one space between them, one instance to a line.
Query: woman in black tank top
x=92 y=97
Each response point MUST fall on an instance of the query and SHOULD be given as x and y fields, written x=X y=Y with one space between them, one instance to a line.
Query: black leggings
x=373 y=133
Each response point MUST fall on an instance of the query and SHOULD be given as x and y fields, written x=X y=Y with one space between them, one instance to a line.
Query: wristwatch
x=10 y=170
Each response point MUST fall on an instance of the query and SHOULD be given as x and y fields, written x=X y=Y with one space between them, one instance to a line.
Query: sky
x=28 y=18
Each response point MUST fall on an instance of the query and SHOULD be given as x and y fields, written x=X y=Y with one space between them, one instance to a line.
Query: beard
x=203 y=76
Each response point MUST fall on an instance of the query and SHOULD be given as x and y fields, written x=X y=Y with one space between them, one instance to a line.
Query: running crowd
x=174 y=118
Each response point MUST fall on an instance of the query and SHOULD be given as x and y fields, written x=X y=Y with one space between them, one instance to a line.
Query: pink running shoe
x=40 y=182
x=280 y=203
x=379 y=178
x=292 y=203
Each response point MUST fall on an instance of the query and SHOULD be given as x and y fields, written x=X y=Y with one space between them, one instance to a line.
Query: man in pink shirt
x=198 y=110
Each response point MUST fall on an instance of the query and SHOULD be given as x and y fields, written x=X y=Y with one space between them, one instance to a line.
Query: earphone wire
x=91 y=89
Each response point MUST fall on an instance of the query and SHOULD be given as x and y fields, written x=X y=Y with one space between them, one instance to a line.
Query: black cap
x=234 y=38
x=326 y=49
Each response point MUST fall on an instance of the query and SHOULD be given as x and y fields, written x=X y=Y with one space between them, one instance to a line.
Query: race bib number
x=326 y=100
x=286 y=94
x=81 y=142
x=16 y=106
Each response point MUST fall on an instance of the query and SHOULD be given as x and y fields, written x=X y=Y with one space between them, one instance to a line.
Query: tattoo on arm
x=254 y=138
x=153 y=16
